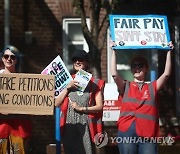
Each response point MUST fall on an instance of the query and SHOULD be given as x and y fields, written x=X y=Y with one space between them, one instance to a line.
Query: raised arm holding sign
x=139 y=107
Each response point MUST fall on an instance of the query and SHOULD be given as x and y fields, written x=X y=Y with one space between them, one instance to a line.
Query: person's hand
x=171 y=45
x=75 y=106
x=4 y=113
x=72 y=85
x=112 y=44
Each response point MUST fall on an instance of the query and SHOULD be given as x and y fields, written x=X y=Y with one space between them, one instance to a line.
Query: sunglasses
x=138 y=66
x=13 y=57
x=78 y=59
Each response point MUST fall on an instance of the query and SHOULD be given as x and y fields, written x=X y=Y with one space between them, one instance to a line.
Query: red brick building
x=41 y=29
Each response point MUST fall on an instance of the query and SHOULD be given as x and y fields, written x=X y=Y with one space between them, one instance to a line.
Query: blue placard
x=139 y=31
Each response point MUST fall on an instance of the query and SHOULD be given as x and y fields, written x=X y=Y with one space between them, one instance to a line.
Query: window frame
x=66 y=22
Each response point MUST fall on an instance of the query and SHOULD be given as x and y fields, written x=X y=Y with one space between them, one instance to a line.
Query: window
x=73 y=39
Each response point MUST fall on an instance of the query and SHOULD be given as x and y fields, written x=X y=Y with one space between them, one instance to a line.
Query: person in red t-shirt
x=138 y=121
x=15 y=130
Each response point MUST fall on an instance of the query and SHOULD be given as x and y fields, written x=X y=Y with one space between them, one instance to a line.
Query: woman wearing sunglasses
x=138 y=124
x=15 y=130
x=81 y=112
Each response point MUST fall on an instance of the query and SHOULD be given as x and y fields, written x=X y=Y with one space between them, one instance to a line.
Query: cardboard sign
x=111 y=109
x=26 y=94
x=139 y=31
x=62 y=75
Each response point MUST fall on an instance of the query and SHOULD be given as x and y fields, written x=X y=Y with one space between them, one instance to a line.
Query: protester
x=138 y=122
x=15 y=130
x=81 y=113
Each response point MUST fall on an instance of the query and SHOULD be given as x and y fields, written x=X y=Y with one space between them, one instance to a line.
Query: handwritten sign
x=27 y=94
x=136 y=32
x=62 y=75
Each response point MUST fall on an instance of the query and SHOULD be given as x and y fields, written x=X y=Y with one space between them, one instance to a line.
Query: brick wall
x=1 y=25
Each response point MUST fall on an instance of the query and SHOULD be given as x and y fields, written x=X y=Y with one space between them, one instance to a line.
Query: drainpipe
x=6 y=22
